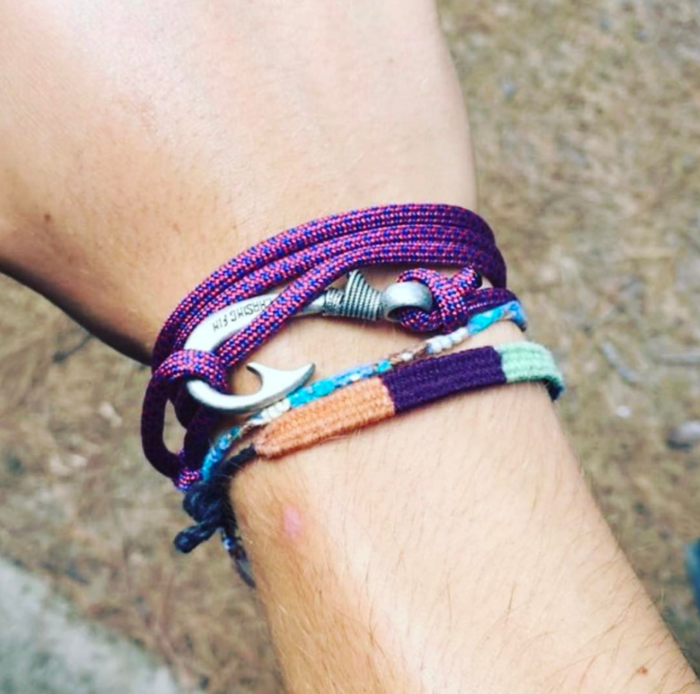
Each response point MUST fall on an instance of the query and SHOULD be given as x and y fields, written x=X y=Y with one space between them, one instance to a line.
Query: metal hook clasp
x=357 y=299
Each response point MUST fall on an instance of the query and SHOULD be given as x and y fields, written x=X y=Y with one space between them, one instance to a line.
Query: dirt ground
x=586 y=119
x=46 y=649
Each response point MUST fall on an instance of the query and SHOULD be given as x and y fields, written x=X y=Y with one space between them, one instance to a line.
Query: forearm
x=456 y=549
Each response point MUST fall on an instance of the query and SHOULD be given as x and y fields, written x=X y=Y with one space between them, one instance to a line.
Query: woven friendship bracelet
x=360 y=405
x=308 y=259
x=511 y=311
x=392 y=393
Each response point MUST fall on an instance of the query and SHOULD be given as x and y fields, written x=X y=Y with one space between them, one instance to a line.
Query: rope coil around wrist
x=308 y=259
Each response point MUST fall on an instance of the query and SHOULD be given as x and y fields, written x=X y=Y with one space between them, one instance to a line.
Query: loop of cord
x=309 y=258
x=455 y=299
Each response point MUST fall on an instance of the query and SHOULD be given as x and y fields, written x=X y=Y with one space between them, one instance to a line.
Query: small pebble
x=109 y=414
x=623 y=412
x=685 y=435
x=509 y=89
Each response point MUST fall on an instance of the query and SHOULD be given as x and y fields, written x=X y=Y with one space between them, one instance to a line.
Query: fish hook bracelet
x=308 y=259
x=357 y=299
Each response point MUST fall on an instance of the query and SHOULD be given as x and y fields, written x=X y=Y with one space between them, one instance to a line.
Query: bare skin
x=454 y=550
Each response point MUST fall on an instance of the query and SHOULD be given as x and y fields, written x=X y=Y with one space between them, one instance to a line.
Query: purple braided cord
x=310 y=257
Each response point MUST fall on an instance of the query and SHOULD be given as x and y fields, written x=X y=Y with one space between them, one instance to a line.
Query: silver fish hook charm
x=357 y=299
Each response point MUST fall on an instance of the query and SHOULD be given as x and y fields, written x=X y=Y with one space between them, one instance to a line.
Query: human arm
x=454 y=550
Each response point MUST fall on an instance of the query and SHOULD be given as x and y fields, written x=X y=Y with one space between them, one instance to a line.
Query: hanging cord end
x=207 y=501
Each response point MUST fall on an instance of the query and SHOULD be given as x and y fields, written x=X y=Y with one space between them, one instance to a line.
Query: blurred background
x=586 y=119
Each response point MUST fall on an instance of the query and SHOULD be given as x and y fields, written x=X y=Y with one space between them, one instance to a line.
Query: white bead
x=281 y=407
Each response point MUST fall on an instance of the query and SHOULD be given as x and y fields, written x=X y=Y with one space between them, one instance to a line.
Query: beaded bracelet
x=510 y=311
x=354 y=407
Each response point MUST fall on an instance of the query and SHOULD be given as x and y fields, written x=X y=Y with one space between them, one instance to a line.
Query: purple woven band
x=434 y=379
x=308 y=258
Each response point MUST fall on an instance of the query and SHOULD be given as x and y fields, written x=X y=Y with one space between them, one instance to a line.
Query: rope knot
x=451 y=309
x=192 y=363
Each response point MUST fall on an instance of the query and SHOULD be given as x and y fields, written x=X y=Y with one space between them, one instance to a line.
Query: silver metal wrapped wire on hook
x=357 y=299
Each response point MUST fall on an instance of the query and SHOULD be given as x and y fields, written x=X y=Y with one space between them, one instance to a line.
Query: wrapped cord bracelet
x=308 y=259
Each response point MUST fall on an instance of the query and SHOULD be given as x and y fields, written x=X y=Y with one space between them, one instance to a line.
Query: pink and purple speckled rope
x=310 y=257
